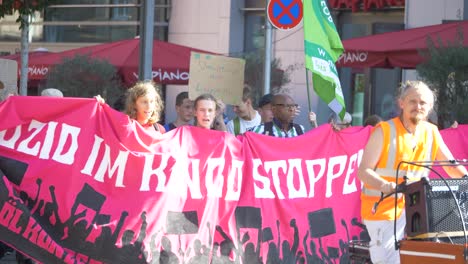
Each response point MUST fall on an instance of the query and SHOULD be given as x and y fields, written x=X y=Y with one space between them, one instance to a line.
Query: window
x=88 y=21
x=254 y=33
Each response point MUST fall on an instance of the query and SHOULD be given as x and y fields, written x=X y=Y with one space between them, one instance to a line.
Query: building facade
x=236 y=27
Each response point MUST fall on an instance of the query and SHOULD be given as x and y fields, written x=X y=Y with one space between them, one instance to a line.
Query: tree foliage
x=446 y=71
x=253 y=76
x=83 y=76
x=25 y=8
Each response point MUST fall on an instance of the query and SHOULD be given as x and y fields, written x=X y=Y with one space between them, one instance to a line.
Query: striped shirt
x=277 y=131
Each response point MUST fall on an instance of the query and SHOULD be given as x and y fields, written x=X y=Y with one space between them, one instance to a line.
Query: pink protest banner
x=81 y=183
x=456 y=140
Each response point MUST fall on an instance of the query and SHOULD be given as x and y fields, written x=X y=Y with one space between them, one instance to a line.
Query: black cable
x=429 y=165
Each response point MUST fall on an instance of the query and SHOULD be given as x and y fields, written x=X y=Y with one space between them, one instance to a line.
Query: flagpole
x=267 y=61
x=308 y=90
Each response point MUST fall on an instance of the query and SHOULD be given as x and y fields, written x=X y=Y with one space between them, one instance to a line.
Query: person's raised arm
x=369 y=160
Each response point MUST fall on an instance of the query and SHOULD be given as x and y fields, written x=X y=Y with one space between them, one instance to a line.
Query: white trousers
x=382 y=244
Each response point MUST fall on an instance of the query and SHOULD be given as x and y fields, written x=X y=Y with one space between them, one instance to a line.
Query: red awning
x=31 y=54
x=398 y=49
x=171 y=62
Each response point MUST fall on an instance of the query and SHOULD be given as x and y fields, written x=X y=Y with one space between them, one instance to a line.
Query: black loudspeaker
x=431 y=210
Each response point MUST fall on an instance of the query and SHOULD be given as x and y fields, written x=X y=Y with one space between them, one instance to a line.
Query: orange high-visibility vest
x=399 y=146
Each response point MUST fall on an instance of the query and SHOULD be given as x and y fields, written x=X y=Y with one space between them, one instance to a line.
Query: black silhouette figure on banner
x=166 y=255
x=273 y=255
x=50 y=219
x=4 y=193
x=133 y=252
x=300 y=257
x=3 y=199
x=181 y=223
x=225 y=247
x=91 y=199
x=312 y=256
x=333 y=253
x=14 y=171
x=201 y=254
x=344 y=259
x=289 y=253
x=77 y=228
x=30 y=203
x=210 y=237
x=25 y=215
x=105 y=242
x=343 y=223
x=250 y=255
x=363 y=235
x=76 y=231
x=155 y=253
x=214 y=252
x=248 y=217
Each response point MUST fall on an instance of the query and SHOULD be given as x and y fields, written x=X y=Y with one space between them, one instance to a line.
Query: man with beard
x=284 y=110
x=409 y=138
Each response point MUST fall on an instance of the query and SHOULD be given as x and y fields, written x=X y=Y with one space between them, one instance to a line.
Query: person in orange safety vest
x=408 y=137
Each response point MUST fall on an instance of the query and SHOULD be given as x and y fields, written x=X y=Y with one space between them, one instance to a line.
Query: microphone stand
x=400 y=188
x=429 y=165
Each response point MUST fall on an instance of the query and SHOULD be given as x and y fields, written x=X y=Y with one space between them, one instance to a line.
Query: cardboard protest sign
x=221 y=76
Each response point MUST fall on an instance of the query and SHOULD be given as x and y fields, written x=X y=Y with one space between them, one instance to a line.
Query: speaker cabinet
x=432 y=211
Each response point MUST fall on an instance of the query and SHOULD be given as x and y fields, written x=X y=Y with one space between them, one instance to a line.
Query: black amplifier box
x=433 y=208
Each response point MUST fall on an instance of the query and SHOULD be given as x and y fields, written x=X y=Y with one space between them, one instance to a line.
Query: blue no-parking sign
x=285 y=14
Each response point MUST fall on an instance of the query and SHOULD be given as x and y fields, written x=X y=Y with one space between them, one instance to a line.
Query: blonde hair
x=418 y=85
x=141 y=89
x=52 y=92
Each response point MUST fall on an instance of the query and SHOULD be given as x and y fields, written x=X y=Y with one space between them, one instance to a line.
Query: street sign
x=285 y=14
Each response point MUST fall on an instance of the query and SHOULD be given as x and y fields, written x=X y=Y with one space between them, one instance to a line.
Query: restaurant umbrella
x=170 y=61
x=399 y=49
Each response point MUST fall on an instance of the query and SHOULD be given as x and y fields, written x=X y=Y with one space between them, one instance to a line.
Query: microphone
x=399 y=188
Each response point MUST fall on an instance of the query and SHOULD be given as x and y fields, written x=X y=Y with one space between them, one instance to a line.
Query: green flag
x=322 y=46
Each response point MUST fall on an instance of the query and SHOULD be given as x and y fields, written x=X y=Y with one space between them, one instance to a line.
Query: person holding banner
x=184 y=109
x=408 y=137
x=246 y=116
x=52 y=92
x=49 y=92
x=284 y=110
x=143 y=103
x=372 y=120
x=337 y=124
x=209 y=113
x=264 y=108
